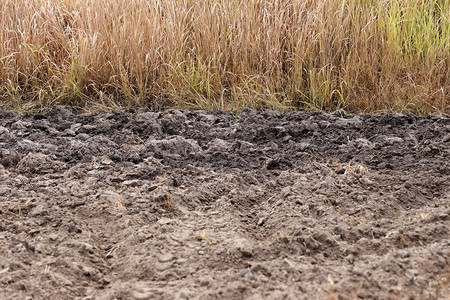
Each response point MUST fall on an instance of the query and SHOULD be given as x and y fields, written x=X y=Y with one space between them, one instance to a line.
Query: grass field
x=359 y=56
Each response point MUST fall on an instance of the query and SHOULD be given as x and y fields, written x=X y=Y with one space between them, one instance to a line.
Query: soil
x=196 y=205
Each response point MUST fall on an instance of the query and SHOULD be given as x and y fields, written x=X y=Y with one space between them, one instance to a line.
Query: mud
x=196 y=205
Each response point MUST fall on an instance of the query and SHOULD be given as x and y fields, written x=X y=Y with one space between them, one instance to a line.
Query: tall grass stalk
x=360 y=56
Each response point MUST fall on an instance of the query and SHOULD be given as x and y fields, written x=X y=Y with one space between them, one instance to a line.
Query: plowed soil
x=197 y=205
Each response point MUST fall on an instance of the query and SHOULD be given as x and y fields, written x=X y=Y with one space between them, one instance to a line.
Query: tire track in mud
x=189 y=204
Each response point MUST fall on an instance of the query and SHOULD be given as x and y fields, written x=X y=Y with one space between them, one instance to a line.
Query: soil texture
x=196 y=205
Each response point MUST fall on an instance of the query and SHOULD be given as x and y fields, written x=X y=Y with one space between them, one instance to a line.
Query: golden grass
x=360 y=56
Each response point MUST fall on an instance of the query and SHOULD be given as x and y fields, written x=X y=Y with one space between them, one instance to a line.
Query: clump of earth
x=197 y=205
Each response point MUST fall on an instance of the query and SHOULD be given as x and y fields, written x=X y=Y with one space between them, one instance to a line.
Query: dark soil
x=196 y=205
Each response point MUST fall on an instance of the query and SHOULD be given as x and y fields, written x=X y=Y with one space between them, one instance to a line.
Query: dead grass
x=360 y=56
x=167 y=205
x=202 y=237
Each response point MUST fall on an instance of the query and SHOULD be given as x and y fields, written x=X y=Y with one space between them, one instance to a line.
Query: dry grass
x=202 y=237
x=365 y=56
x=167 y=205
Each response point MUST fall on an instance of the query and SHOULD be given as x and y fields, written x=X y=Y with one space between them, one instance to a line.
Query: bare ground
x=196 y=205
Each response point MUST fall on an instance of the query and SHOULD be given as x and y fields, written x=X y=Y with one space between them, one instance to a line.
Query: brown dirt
x=196 y=205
